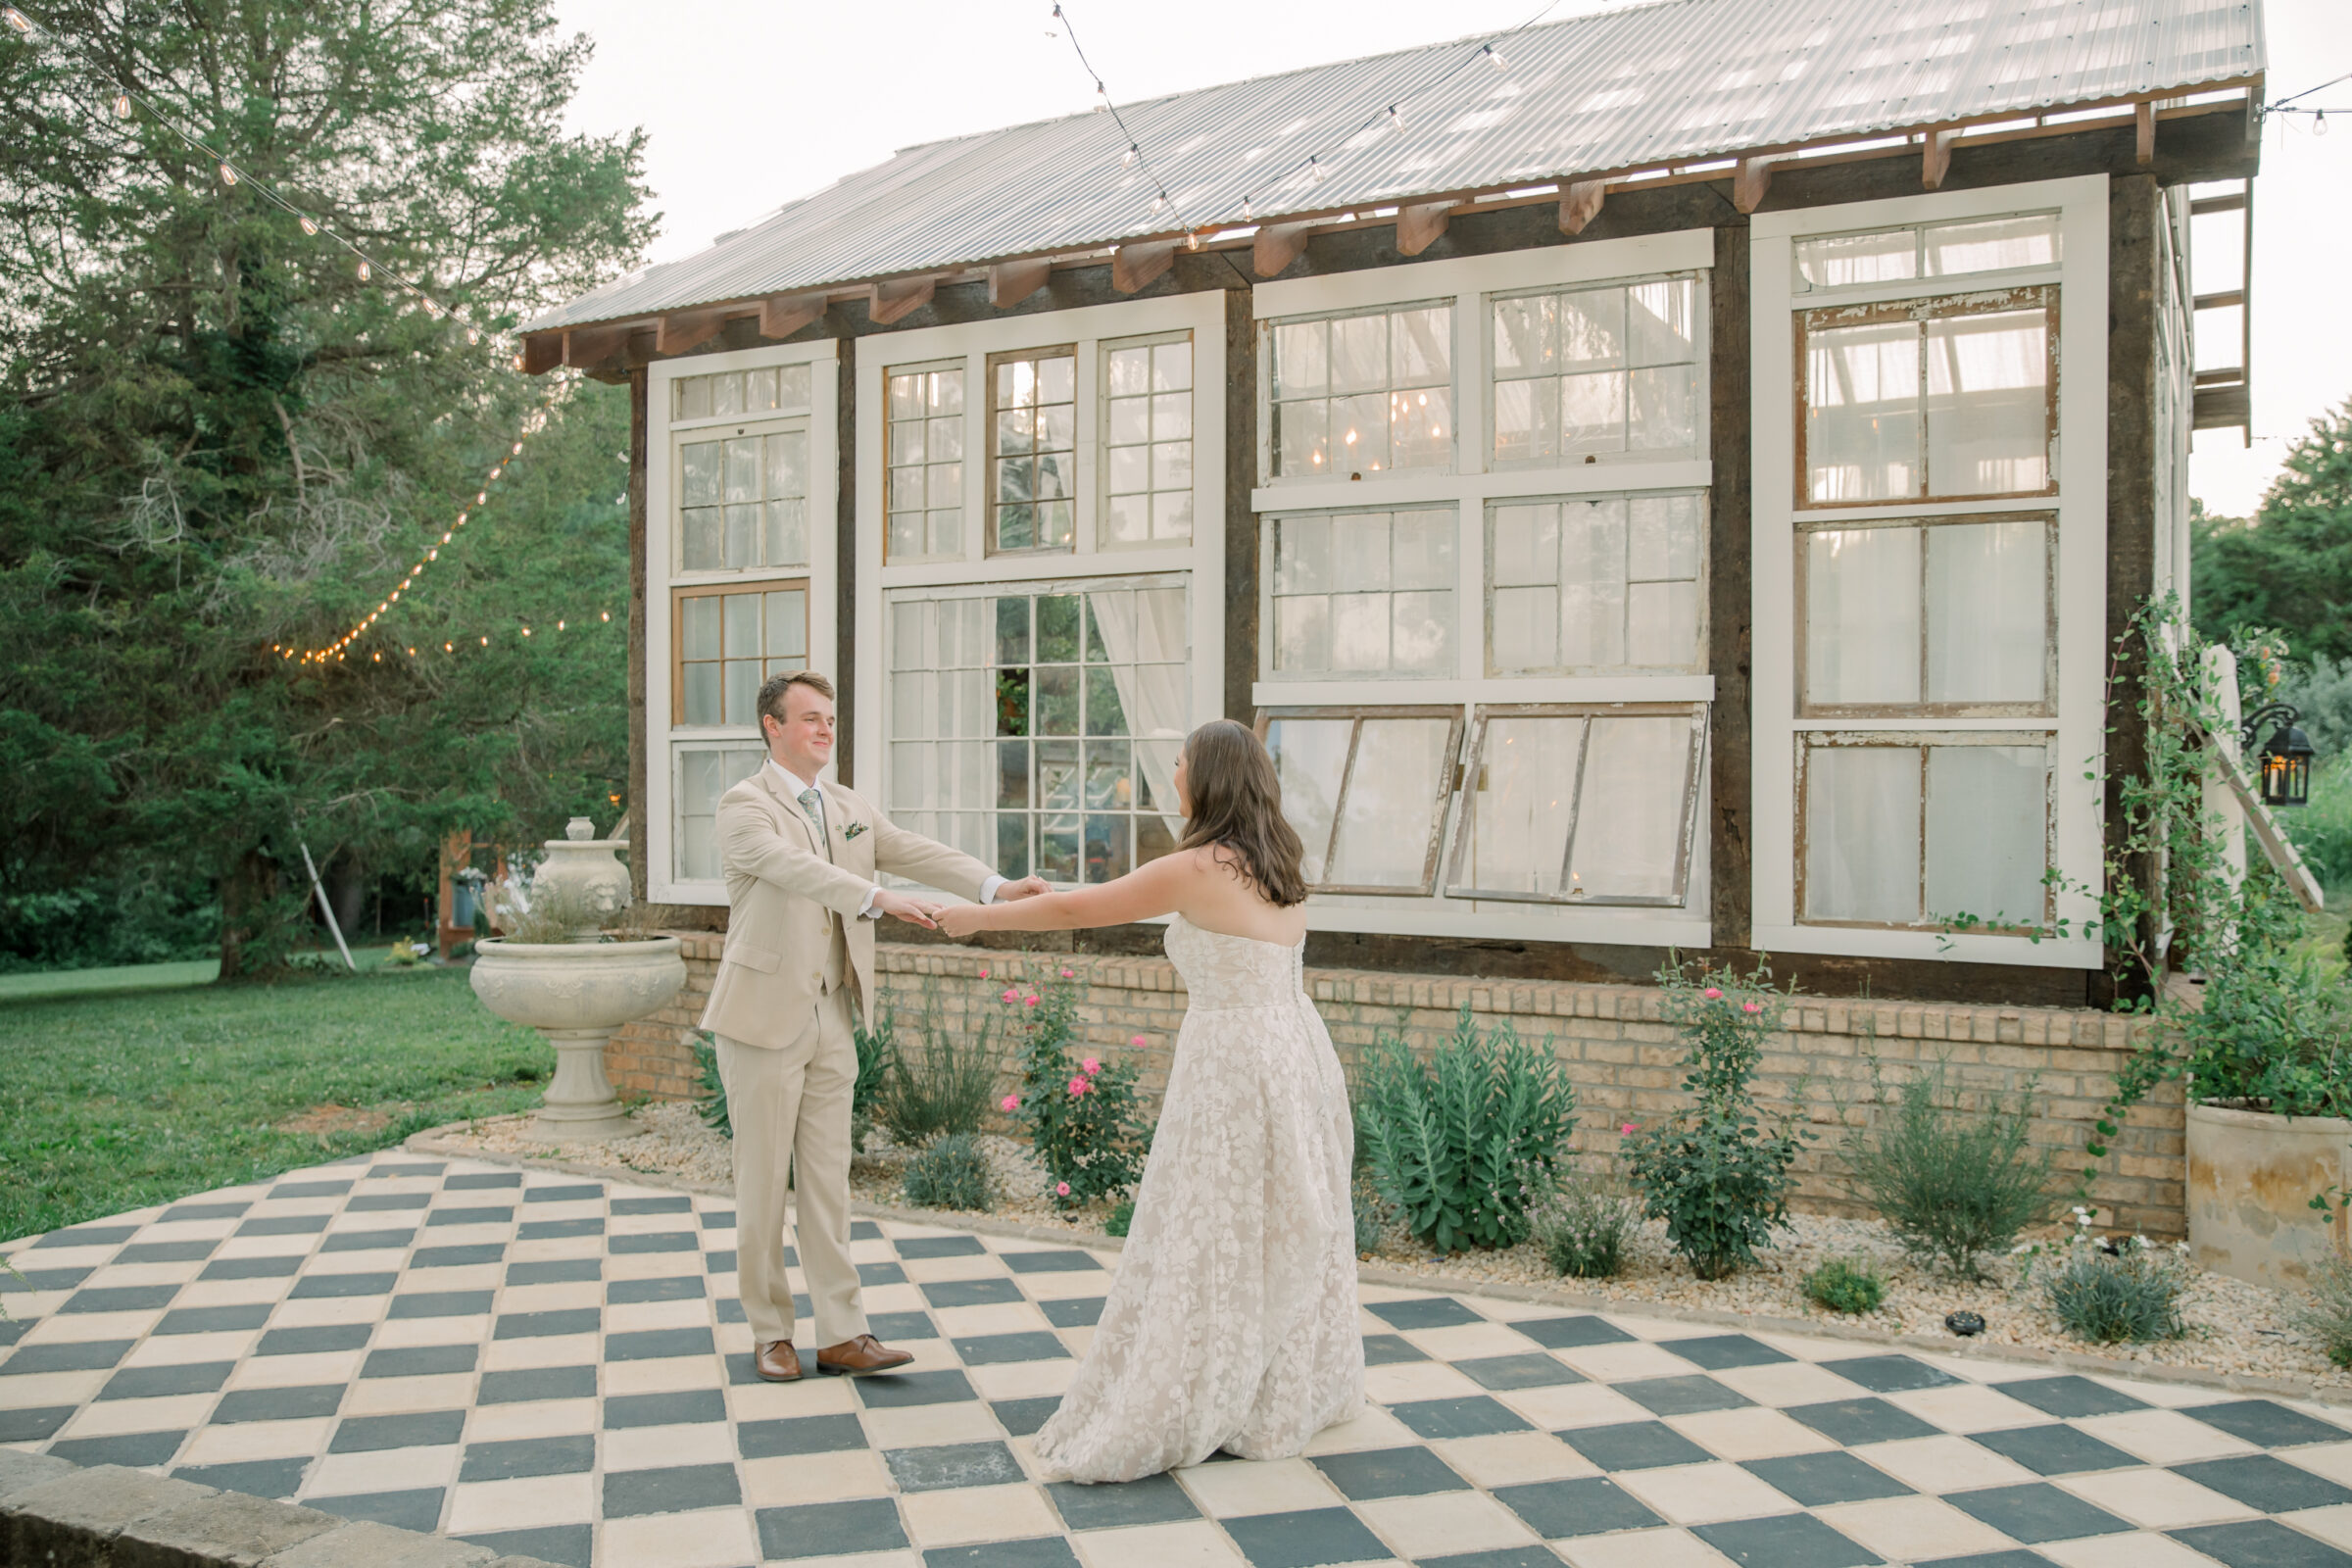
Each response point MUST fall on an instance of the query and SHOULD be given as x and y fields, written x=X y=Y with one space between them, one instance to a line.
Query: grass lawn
x=113 y=1102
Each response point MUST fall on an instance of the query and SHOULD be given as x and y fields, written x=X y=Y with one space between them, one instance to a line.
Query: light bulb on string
x=310 y=225
x=121 y=106
x=1396 y=121
x=1127 y=159
x=1315 y=171
x=1192 y=241
x=2318 y=123
x=1249 y=211
x=474 y=334
x=228 y=175
x=366 y=272
x=1159 y=204
x=16 y=19
x=1494 y=59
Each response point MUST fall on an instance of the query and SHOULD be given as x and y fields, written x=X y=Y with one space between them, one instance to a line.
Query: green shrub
x=1122 y=1216
x=2327 y=1316
x=1458 y=1145
x=1583 y=1227
x=712 y=1103
x=1717 y=1172
x=940 y=1088
x=952 y=1173
x=1080 y=1110
x=1373 y=1216
x=1844 y=1285
x=2128 y=1295
x=1952 y=1186
x=878 y=1058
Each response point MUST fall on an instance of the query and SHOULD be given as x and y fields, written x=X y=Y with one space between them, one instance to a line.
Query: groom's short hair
x=772 y=689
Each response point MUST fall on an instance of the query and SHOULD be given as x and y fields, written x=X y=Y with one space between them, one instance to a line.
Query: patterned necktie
x=814 y=804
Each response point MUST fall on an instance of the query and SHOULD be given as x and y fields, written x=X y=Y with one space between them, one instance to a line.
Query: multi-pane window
x=728 y=642
x=1033 y=451
x=1932 y=830
x=1935 y=616
x=1353 y=396
x=1367 y=593
x=1927 y=250
x=1367 y=790
x=1038 y=727
x=1954 y=396
x=1580 y=805
x=1147 y=442
x=703 y=774
x=1587 y=371
x=777 y=387
x=1593 y=584
x=744 y=500
x=924 y=502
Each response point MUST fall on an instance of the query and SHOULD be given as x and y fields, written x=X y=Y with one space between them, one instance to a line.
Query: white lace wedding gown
x=1232 y=1321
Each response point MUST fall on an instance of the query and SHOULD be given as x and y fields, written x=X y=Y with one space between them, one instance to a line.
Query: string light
x=16 y=19
x=1127 y=159
x=228 y=175
x=1495 y=58
x=310 y=225
x=121 y=106
x=1396 y=121
x=366 y=272
x=1316 y=171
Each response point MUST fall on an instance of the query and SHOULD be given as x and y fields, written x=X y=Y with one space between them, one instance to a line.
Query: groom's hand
x=1028 y=886
x=914 y=911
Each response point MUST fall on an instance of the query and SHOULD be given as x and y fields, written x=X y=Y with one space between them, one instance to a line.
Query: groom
x=801 y=859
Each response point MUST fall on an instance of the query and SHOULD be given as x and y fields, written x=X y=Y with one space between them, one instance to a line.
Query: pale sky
x=749 y=105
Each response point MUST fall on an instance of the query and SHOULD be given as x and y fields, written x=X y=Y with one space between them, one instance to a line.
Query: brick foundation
x=1623 y=1060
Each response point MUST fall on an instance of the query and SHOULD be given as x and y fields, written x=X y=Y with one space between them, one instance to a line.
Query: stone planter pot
x=577 y=993
x=2251 y=1177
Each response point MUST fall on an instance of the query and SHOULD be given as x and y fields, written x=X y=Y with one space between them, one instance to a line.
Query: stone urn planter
x=2251 y=1178
x=578 y=993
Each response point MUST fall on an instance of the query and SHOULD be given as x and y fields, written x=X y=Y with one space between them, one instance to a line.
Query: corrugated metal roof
x=1682 y=82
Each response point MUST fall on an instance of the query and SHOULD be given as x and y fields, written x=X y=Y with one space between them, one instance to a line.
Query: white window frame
x=1089 y=327
x=2079 y=602
x=658 y=825
x=1469 y=284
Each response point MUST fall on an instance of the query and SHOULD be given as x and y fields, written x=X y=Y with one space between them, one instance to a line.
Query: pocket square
x=852 y=830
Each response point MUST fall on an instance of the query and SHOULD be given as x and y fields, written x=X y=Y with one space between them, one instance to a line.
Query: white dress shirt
x=794 y=786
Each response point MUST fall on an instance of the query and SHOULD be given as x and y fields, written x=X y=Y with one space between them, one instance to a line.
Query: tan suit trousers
x=791 y=1114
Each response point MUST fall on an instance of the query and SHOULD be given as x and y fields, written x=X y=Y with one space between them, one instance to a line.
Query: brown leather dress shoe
x=861 y=1358
x=777 y=1361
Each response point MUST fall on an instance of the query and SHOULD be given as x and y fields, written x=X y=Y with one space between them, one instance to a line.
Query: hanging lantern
x=2285 y=760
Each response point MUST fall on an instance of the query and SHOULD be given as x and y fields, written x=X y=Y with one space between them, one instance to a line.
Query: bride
x=1232 y=1321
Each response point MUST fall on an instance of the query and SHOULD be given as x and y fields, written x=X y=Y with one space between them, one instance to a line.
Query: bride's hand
x=960 y=920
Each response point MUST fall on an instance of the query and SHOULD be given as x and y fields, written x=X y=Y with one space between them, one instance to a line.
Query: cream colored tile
x=180 y=1350
x=531 y=1418
x=732 y=1339
x=2141 y=1550
x=935 y=1270
x=2331 y=1525
x=1443 y=1523
x=1752 y=1434
x=795 y=1479
x=465 y=1277
x=391 y=1395
x=1022 y=1380
x=2155 y=1500
x=1074 y=1286
x=651 y=1265
x=811 y=1396
x=553 y=1350
x=966 y=1514
x=965 y=1322
x=717 y=1538
x=109 y=1418
x=1911 y=1529
x=1616 y=1363
x=553 y=1298
x=1231 y=1488
x=34 y=1389
x=1407 y=1381
x=188 y=1230
x=1573 y=1405
x=664 y=1374
x=314 y=1312
x=1464 y=1342
x=894 y=1298
x=632 y=1315
x=1808 y=1348
x=77 y=1327
x=1641 y=1548
x=877 y=1251
x=1785 y=1383
x=2167 y=1437
x=1943 y=1464
x=485 y=1505
x=258 y=1440
x=2167 y=1396
x=273 y=1247
x=1077 y=1341
x=1194 y=1544
x=554 y=1248
x=1703 y=1494
x=962 y=1421
x=1509 y=1458
x=407 y=1332
x=655 y=1224
x=1371 y=1426
x=1967 y=1407
x=385 y=1470
x=652 y=1448
x=121 y=1274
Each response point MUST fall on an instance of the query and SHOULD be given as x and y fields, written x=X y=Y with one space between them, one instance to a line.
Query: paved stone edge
x=427 y=1143
x=65 y=1515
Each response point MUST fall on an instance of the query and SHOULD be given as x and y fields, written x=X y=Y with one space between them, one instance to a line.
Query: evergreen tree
x=2291 y=566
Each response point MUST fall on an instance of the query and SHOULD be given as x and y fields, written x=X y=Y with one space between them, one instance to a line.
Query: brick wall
x=1623 y=1060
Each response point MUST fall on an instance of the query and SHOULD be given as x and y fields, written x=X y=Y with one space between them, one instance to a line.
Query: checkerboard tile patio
x=558 y=1366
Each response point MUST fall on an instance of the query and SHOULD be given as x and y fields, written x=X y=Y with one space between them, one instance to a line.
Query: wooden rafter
x=542 y=351
x=1135 y=267
x=782 y=315
x=1580 y=203
x=1011 y=282
x=1419 y=227
x=2143 y=126
x=1277 y=246
x=590 y=345
x=1937 y=161
x=1751 y=181
x=681 y=331
x=895 y=301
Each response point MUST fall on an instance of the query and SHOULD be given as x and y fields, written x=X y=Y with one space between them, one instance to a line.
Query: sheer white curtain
x=1148 y=636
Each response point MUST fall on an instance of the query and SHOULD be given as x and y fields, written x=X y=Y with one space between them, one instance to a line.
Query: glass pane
x=701 y=695
x=1395 y=797
x=1127 y=520
x=1302 y=635
x=1172 y=515
x=1057 y=628
x=1987 y=614
x=1130 y=422
x=1862 y=853
x=792 y=387
x=1421 y=347
x=1661 y=625
x=700 y=460
x=1527 y=629
x=1012 y=775
x=1635 y=800
x=788 y=625
x=1128 y=373
x=1524 y=545
x=1360 y=354
x=744 y=526
x=1301 y=435
x=909 y=776
x=1107 y=853
x=1421 y=636
x=698 y=622
x=1992 y=245
x=704 y=542
x=699 y=783
x=1523 y=337
x=944 y=439
x=759 y=390
x=1359 y=631
x=945 y=391
x=1104 y=714
x=1522 y=801
x=1659 y=320
x=1056 y=693
x=1359 y=551
x=1012 y=630
x=726 y=393
x=788 y=464
x=1837 y=260
x=741 y=683
x=1418 y=435
x=1057 y=848
x=1862 y=615
x=1109 y=785
x=1302 y=366
x=698 y=848
x=1987 y=827
x=1359 y=432
x=1302 y=555
x=905 y=397
x=1309 y=756
x=742 y=639
x=1171 y=416
x=787 y=543
x=1989 y=407
x=742 y=480
x=1173 y=366
x=1592 y=583
x=1593 y=412
x=1862 y=437
x=1520 y=435
x=1058 y=778
x=693 y=397
x=1661 y=413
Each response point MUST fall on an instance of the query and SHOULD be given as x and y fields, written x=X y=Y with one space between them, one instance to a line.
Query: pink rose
x=1069 y=974
x=1137 y=1042
x=1062 y=1188
x=1091 y=1067
x=983 y=974
x=1713 y=995
x=1011 y=994
x=1028 y=1002
x=1011 y=1102
x=1078 y=1086
x=1751 y=1007
x=1627 y=1128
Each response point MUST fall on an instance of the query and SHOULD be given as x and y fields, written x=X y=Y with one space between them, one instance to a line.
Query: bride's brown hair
x=1237 y=807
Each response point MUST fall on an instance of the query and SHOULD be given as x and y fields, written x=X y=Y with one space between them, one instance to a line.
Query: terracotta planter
x=2251 y=1179
x=577 y=993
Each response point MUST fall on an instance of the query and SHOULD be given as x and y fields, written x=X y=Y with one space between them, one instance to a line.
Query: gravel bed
x=2234 y=1327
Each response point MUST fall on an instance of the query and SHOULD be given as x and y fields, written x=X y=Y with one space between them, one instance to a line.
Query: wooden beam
x=1937 y=161
x=1277 y=246
x=2143 y=123
x=1751 y=181
x=686 y=329
x=1419 y=227
x=2217 y=300
x=542 y=351
x=1135 y=267
x=895 y=301
x=782 y=315
x=1011 y=282
x=2233 y=203
x=587 y=346
x=1580 y=203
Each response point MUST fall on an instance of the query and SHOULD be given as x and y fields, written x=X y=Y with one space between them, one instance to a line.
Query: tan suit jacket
x=784 y=895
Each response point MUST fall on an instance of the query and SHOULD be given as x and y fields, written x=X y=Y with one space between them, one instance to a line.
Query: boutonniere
x=852 y=830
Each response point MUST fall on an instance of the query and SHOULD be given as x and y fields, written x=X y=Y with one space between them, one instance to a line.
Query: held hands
x=914 y=911
x=960 y=920
x=1028 y=886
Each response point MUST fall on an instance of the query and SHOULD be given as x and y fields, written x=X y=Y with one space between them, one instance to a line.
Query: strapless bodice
x=1222 y=971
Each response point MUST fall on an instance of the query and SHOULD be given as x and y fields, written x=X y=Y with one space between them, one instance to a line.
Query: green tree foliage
x=216 y=440
x=2290 y=566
